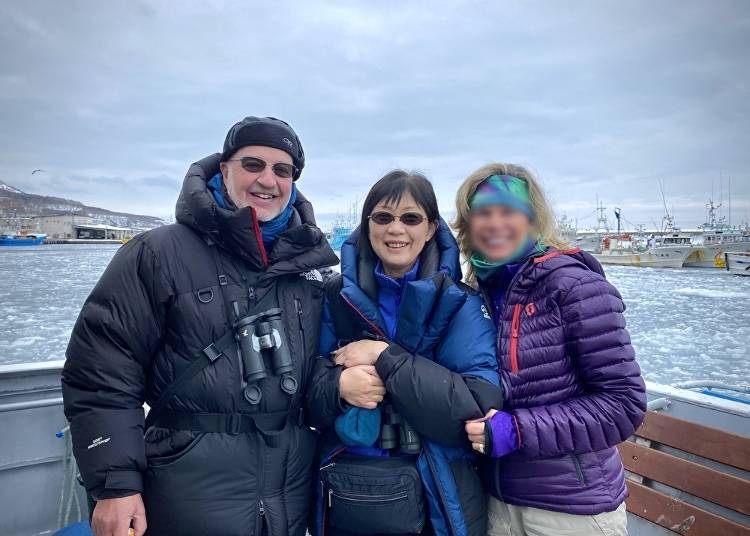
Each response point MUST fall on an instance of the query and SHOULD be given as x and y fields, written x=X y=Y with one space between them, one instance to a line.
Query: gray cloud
x=598 y=98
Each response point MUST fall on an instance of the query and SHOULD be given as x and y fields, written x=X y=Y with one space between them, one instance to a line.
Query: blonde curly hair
x=544 y=218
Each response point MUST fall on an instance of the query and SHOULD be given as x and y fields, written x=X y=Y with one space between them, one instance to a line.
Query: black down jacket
x=165 y=296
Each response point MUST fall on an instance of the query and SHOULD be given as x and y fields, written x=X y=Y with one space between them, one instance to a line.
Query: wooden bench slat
x=720 y=488
x=678 y=516
x=717 y=445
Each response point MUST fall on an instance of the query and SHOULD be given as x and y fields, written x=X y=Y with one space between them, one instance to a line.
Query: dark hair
x=391 y=188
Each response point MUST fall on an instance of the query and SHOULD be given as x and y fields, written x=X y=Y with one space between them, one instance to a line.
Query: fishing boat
x=339 y=234
x=737 y=263
x=634 y=250
x=688 y=466
x=343 y=227
x=716 y=239
x=637 y=249
x=22 y=239
x=590 y=240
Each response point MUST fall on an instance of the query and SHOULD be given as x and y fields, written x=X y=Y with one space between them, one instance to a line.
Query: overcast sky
x=115 y=99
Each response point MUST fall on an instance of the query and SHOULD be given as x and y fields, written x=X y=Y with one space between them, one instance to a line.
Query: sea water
x=685 y=323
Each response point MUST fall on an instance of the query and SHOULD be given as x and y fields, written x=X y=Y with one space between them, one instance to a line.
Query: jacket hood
x=299 y=248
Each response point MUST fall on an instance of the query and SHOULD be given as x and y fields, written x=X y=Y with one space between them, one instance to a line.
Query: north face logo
x=312 y=275
x=98 y=441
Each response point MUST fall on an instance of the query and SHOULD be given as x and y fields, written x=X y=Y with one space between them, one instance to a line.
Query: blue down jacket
x=439 y=370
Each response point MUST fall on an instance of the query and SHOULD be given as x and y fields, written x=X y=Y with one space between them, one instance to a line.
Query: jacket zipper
x=505 y=304
x=259 y=237
x=304 y=360
x=443 y=508
x=378 y=331
x=261 y=485
x=262 y=514
x=515 y=329
x=579 y=469
x=298 y=307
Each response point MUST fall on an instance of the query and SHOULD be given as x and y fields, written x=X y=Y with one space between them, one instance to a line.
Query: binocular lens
x=252 y=360
x=388 y=437
x=396 y=432
x=259 y=333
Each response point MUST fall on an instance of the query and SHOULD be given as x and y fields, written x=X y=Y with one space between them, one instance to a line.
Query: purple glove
x=500 y=436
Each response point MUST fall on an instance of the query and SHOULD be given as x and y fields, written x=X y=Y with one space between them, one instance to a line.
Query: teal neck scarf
x=485 y=269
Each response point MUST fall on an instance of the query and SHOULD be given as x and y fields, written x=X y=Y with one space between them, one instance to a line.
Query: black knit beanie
x=266 y=131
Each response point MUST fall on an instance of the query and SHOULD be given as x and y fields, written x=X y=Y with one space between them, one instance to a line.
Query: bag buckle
x=234 y=424
x=212 y=352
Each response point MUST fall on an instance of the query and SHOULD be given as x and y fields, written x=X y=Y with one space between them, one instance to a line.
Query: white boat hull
x=713 y=256
x=653 y=258
x=738 y=263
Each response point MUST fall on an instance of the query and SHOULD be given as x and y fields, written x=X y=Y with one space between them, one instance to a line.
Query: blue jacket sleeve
x=437 y=396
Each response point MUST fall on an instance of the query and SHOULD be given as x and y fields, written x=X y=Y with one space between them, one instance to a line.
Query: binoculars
x=261 y=334
x=396 y=432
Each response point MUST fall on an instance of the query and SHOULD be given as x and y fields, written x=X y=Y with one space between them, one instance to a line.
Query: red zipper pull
x=515 y=326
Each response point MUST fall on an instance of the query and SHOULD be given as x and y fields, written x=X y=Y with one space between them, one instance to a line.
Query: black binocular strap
x=208 y=355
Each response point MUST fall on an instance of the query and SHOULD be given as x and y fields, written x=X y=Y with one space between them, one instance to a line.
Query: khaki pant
x=508 y=520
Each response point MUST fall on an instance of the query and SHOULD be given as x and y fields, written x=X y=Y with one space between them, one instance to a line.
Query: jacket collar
x=386 y=281
x=439 y=267
x=300 y=248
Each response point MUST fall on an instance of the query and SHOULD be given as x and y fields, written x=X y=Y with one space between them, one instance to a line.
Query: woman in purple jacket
x=574 y=390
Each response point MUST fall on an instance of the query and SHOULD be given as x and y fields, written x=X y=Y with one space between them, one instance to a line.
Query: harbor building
x=78 y=227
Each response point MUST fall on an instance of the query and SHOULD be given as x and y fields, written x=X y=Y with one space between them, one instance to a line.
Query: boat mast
x=729 y=185
x=617 y=215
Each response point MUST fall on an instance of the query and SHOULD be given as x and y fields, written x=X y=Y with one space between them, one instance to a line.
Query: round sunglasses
x=256 y=165
x=407 y=218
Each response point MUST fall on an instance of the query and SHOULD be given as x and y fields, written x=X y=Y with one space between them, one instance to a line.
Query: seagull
x=37 y=171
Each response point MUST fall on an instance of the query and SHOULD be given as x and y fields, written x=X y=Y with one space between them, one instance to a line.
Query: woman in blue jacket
x=407 y=355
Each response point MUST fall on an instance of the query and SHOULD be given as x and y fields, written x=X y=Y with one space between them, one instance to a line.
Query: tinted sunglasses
x=408 y=218
x=256 y=165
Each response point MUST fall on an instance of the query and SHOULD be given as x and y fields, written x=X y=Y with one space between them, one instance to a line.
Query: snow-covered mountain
x=15 y=203
x=8 y=188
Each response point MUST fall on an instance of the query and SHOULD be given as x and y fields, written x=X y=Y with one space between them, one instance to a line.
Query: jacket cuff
x=340 y=404
x=389 y=359
x=124 y=479
x=119 y=483
x=114 y=494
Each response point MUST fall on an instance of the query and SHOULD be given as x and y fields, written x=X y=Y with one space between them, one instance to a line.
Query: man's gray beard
x=245 y=205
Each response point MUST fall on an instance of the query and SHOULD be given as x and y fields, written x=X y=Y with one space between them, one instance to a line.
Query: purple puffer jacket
x=573 y=387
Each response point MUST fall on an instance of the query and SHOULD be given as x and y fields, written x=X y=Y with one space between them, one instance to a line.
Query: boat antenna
x=617 y=215
x=667 y=220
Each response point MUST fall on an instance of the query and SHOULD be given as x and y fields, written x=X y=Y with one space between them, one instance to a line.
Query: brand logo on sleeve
x=98 y=441
x=485 y=313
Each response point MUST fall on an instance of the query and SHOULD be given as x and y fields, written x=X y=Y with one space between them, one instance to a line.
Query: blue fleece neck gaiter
x=270 y=229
